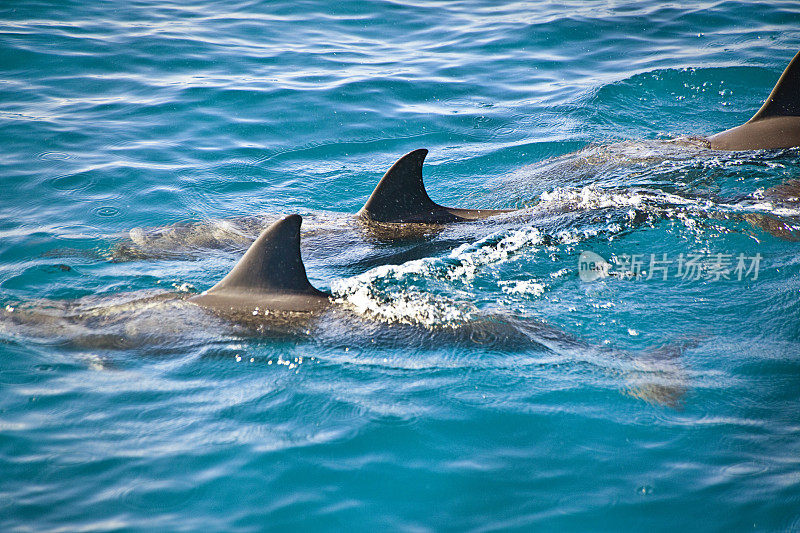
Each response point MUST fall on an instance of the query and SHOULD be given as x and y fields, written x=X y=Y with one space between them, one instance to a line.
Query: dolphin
x=268 y=294
x=775 y=125
x=399 y=209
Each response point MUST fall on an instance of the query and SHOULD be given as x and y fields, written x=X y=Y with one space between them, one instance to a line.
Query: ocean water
x=628 y=402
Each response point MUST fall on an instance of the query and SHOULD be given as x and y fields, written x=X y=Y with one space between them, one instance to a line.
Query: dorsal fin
x=271 y=265
x=400 y=195
x=784 y=100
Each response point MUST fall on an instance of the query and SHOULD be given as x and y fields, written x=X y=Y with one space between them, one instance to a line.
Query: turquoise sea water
x=645 y=403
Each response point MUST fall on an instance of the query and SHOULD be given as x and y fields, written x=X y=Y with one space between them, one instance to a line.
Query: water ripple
x=542 y=412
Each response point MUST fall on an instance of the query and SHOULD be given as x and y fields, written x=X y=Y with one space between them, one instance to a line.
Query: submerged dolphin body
x=775 y=125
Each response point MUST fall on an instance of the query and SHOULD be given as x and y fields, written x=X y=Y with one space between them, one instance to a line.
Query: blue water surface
x=657 y=404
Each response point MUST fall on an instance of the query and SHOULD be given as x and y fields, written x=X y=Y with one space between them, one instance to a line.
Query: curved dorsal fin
x=400 y=195
x=784 y=100
x=271 y=265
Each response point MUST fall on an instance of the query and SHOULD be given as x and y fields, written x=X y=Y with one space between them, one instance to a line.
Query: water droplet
x=645 y=490
x=107 y=211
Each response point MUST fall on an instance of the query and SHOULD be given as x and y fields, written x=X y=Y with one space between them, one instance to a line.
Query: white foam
x=590 y=197
x=530 y=287
x=369 y=293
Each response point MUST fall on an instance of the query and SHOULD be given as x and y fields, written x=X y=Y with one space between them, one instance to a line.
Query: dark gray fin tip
x=272 y=264
x=400 y=195
x=784 y=100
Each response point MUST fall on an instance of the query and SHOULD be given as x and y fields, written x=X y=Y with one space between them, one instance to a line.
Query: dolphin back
x=775 y=125
x=400 y=197
x=784 y=100
x=270 y=275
